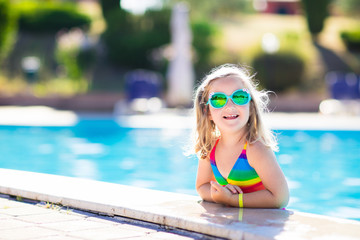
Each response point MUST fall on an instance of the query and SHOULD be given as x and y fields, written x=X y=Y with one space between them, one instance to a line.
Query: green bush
x=280 y=71
x=50 y=17
x=7 y=27
x=351 y=40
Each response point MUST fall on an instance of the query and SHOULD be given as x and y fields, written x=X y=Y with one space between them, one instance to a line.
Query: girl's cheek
x=210 y=115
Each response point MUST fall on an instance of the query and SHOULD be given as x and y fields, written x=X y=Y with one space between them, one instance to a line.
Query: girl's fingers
x=215 y=185
x=234 y=189
x=231 y=188
x=238 y=189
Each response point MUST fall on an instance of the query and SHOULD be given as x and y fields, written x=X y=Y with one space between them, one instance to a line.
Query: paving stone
x=11 y=223
x=51 y=216
x=162 y=236
x=107 y=233
x=76 y=212
x=23 y=211
x=3 y=201
x=7 y=203
x=32 y=232
x=74 y=225
x=106 y=220
x=60 y=237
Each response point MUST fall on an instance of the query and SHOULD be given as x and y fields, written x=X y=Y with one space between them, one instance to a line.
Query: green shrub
x=351 y=40
x=50 y=16
x=7 y=27
x=280 y=71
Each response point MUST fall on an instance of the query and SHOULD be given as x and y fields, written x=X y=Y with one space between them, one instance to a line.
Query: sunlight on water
x=352 y=182
x=85 y=168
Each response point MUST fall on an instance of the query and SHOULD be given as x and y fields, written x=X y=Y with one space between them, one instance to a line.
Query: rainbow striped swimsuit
x=242 y=174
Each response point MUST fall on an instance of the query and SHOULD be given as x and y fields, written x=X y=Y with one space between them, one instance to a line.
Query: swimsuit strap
x=219 y=178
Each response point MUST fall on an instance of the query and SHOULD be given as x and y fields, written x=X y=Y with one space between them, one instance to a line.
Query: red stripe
x=253 y=188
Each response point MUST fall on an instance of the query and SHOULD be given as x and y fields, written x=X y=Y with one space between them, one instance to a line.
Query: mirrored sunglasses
x=219 y=99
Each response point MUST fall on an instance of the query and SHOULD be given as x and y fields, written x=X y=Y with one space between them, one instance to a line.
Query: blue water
x=322 y=167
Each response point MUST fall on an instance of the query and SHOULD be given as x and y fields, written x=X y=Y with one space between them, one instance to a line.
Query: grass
x=53 y=206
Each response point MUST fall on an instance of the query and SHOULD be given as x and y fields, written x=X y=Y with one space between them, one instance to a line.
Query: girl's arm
x=203 y=178
x=276 y=194
x=263 y=160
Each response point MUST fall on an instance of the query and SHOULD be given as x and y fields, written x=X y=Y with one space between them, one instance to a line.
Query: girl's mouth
x=230 y=117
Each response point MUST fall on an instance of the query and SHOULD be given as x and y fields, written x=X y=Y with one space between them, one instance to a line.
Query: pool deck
x=28 y=219
x=170 y=118
x=102 y=210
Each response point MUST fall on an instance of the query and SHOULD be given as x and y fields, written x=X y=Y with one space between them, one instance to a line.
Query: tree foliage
x=130 y=39
x=316 y=13
x=50 y=16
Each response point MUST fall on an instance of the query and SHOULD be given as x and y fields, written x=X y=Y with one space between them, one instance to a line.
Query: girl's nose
x=230 y=104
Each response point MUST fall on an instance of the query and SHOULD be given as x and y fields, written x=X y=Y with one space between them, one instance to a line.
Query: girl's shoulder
x=257 y=152
x=257 y=145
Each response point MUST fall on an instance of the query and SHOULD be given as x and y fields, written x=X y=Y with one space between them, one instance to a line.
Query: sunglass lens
x=240 y=97
x=218 y=100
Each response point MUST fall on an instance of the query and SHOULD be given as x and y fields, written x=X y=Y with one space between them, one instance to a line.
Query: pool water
x=322 y=167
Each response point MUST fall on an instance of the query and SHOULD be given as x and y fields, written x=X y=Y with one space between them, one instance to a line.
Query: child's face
x=231 y=118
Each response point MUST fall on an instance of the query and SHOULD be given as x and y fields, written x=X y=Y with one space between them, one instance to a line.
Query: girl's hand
x=221 y=194
x=234 y=189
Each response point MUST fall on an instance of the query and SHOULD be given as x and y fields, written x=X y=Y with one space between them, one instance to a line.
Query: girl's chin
x=231 y=126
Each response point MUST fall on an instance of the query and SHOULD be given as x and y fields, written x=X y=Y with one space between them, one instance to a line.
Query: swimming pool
x=322 y=167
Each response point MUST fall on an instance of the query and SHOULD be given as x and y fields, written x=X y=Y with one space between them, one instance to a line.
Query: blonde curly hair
x=206 y=132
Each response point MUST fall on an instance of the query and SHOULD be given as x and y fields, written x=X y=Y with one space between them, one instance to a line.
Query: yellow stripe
x=245 y=183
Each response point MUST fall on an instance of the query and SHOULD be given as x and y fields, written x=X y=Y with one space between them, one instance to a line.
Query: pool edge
x=172 y=209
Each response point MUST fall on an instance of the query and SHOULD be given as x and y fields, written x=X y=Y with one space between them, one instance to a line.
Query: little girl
x=237 y=164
